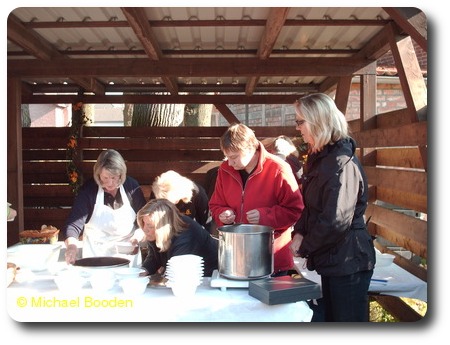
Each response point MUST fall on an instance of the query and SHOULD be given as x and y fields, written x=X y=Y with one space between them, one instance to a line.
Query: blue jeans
x=345 y=299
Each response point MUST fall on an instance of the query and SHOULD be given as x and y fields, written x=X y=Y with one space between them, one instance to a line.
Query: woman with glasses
x=331 y=232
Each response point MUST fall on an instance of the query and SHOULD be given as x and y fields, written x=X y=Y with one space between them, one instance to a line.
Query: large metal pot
x=245 y=251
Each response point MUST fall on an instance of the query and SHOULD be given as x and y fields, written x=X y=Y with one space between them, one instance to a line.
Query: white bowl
x=125 y=247
x=384 y=260
x=184 y=290
x=69 y=280
x=35 y=257
x=134 y=286
x=102 y=280
x=128 y=272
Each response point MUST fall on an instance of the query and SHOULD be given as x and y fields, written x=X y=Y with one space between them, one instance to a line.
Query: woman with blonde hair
x=104 y=211
x=170 y=233
x=331 y=232
x=189 y=197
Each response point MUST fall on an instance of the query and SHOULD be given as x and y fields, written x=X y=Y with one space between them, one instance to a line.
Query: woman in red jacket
x=256 y=187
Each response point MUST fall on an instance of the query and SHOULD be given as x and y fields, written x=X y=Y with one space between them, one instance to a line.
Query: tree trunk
x=198 y=115
x=26 y=119
x=157 y=115
x=128 y=114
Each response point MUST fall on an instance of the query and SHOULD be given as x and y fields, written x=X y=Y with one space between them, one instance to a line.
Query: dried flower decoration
x=74 y=174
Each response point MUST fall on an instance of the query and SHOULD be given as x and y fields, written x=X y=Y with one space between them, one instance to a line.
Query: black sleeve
x=134 y=193
x=154 y=259
x=81 y=210
x=200 y=201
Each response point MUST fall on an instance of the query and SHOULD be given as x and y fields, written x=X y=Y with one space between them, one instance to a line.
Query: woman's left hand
x=253 y=216
x=295 y=244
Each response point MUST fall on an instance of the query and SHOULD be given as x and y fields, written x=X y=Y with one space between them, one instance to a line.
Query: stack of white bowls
x=184 y=273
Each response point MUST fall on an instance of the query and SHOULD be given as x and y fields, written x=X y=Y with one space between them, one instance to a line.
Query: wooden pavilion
x=220 y=56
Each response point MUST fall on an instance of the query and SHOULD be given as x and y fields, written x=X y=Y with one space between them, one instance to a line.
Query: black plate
x=102 y=261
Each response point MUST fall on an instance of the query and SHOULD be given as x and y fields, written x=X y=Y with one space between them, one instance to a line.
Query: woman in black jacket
x=331 y=232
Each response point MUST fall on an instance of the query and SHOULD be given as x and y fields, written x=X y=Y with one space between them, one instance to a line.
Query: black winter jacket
x=335 y=192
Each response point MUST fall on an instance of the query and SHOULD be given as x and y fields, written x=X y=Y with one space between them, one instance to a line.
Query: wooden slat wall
x=148 y=151
x=398 y=181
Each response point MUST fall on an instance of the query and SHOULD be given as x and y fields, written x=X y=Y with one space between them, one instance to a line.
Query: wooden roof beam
x=204 y=23
x=373 y=50
x=413 y=21
x=162 y=99
x=35 y=45
x=274 y=24
x=226 y=113
x=141 y=27
x=188 y=67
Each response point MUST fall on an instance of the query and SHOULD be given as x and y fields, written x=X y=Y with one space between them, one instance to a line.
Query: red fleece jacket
x=273 y=190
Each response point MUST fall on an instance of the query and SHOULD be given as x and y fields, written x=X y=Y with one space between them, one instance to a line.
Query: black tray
x=286 y=289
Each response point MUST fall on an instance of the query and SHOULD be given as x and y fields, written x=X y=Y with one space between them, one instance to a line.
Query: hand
x=12 y=213
x=135 y=243
x=253 y=216
x=71 y=254
x=295 y=244
x=227 y=217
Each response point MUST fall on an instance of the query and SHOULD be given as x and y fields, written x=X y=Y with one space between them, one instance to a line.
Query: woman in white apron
x=107 y=227
x=104 y=212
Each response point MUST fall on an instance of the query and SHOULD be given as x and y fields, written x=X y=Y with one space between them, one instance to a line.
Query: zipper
x=242 y=193
x=239 y=181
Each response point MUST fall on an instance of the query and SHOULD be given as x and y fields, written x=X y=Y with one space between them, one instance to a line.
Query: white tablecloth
x=399 y=282
x=40 y=300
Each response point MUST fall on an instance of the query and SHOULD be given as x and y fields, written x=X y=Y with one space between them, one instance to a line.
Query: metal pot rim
x=245 y=229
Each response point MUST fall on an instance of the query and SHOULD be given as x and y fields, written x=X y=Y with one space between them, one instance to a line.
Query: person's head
x=283 y=146
x=110 y=170
x=239 y=145
x=160 y=220
x=320 y=121
x=174 y=187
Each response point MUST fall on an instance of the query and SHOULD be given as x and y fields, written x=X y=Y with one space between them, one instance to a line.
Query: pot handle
x=216 y=238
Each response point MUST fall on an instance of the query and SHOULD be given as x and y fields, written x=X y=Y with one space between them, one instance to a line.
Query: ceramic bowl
x=125 y=247
x=183 y=289
x=384 y=260
x=36 y=257
x=134 y=286
x=70 y=280
x=102 y=280
x=128 y=272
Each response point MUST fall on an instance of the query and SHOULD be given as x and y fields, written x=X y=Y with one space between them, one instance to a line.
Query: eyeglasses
x=299 y=122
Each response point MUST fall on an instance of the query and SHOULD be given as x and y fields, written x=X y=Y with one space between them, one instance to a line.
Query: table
x=391 y=280
x=37 y=299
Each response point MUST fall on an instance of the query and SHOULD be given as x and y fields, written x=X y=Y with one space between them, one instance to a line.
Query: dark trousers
x=344 y=298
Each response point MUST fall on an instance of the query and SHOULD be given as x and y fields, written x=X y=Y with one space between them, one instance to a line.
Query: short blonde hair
x=238 y=137
x=174 y=187
x=113 y=162
x=326 y=122
x=166 y=218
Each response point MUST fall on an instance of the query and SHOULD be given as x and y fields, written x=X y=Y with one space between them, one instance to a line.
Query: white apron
x=108 y=226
